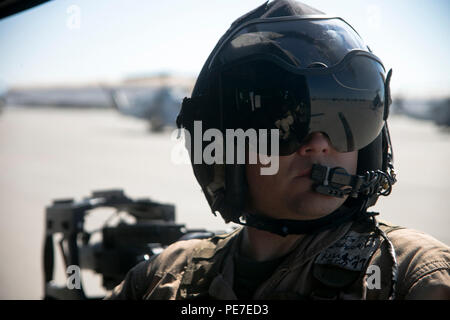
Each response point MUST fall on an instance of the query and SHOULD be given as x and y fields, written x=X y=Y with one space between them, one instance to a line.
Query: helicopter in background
x=159 y=105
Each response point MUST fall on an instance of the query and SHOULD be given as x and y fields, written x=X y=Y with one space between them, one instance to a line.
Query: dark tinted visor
x=345 y=102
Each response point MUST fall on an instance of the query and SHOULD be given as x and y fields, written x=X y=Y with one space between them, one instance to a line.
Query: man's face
x=289 y=194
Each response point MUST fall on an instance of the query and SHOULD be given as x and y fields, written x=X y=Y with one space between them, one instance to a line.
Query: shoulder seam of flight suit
x=424 y=270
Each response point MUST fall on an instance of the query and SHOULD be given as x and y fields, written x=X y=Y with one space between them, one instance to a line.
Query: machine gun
x=122 y=246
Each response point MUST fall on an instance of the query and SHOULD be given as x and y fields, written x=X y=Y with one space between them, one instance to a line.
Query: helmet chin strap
x=337 y=182
x=285 y=227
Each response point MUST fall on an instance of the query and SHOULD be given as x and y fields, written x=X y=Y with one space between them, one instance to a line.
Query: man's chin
x=313 y=205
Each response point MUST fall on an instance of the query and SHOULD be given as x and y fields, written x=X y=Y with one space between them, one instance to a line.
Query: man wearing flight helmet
x=307 y=232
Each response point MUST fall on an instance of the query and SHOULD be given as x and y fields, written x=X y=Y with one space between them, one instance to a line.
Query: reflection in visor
x=347 y=104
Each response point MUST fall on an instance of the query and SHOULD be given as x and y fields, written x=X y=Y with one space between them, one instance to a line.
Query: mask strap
x=338 y=183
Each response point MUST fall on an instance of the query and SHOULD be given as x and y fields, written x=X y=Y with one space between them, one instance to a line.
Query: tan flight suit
x=333 y=264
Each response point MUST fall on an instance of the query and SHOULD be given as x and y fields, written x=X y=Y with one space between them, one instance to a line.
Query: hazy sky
x=78 y=41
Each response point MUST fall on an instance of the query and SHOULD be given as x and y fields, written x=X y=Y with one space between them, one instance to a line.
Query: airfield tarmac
x=50 y=153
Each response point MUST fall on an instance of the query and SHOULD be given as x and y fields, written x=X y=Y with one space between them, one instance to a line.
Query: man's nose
x=316 y=143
